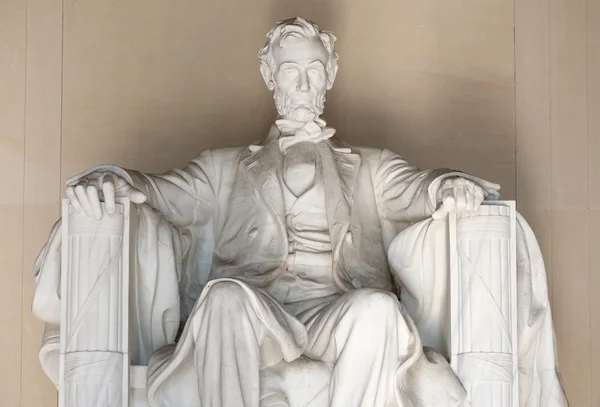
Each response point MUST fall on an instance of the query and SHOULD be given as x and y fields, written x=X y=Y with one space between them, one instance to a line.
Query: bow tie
x=293 y=132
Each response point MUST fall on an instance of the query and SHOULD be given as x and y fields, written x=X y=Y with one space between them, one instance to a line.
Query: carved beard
x=300 y=112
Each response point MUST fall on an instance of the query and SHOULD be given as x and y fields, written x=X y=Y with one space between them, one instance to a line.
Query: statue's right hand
x=88 y=192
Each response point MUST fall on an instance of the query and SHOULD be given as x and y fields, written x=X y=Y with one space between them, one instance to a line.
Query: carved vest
x=308 y=273
x=252 y=242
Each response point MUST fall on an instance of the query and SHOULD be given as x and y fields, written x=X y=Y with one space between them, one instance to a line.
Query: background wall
x=558 y=171
x=148 y=84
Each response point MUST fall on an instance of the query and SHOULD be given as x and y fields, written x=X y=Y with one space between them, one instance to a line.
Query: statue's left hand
x=458 y=195
x=86 y=194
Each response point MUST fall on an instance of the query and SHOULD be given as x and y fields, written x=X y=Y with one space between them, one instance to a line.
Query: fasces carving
x=483 y=297
x=95 y=309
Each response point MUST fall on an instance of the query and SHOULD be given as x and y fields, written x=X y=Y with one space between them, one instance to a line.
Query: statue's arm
x=407 y=194
x=184 y=196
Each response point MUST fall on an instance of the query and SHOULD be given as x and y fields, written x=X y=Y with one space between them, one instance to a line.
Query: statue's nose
x=303 y=82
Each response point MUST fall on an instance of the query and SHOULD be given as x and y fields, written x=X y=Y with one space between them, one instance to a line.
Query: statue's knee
x=371 y=304
x=226 y=294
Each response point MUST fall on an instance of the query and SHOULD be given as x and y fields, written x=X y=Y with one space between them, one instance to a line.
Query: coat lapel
x=262 y=167
x=339 y=171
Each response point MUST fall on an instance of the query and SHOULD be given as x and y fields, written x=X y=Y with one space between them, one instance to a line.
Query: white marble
x=295 y=266
x=94 y=351
x=483 y=298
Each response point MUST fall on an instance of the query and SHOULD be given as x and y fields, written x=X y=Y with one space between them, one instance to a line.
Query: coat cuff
x=102 y=168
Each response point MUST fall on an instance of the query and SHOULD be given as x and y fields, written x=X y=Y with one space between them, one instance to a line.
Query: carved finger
x=94 y=200
x=449 y=200
x=479 y=197
x=477 y=205
x=450 y=182
x=108 y=190
x=136 y=196
x=474 y=202
x=470 y=197
x=446 y=206
x=83 y=200
x=480 y=194
x=461 y=199
x=73 y=199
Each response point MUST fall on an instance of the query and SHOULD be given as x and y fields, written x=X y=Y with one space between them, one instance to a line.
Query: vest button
x=356 y=283
x=253 y=232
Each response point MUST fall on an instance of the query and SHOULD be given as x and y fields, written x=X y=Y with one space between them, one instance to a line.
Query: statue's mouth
x=304 y=102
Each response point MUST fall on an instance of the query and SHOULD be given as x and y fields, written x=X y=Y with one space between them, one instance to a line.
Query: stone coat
x=229 y=204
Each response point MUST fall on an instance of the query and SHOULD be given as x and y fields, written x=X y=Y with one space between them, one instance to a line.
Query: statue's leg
x=237 y=329
x=377 y=357
x=364 y=335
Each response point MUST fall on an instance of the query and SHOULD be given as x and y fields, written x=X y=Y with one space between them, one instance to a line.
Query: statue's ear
x=331 y=75
x=267 y=74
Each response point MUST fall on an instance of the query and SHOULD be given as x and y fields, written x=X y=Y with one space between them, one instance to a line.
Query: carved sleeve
x=404 y=192
x=407 y=194
x=184 y=196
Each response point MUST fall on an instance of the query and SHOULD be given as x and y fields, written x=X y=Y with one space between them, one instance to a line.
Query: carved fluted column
x=483 y=305
x=95 y=295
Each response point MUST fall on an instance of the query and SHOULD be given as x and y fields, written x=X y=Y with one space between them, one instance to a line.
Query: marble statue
x=301 y=256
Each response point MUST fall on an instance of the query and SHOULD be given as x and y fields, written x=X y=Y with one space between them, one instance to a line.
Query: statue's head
x=299 y=64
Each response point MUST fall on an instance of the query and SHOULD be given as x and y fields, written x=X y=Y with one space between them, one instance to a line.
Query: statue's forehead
x=301 y=51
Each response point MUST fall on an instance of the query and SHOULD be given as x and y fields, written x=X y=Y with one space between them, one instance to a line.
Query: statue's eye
x=313 y=71
x=289 y=71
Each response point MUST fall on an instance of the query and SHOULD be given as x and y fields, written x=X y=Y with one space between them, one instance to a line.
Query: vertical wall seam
x=588 y=217
x=62 y=98
x=23 y=192
x=549 y=61
x=515 y=113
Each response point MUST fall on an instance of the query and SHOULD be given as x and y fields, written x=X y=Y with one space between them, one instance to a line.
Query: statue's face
x=300 y=79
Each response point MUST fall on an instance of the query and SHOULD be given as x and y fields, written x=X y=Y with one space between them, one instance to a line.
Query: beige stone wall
x=558 y=171
x=147 y=84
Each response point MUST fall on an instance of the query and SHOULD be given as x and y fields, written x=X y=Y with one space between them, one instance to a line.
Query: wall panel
x=42 y=184
x=533 y=136
x=593 y=117
x=556 y=70
x=570 y=220
x=12 y=142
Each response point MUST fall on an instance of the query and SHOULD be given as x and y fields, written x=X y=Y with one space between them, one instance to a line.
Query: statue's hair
x=297 y=29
